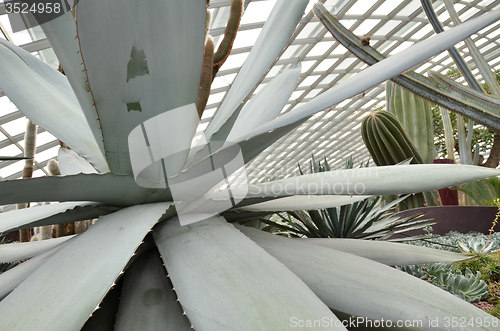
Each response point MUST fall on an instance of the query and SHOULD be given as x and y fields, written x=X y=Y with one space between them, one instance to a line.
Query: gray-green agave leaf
x=385 y=293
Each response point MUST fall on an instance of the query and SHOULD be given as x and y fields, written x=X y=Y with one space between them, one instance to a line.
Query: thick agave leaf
x=417 y=83
x=10 y=279
x=22 y=251
x=248 y=148
x=46 y=98
x=276 y=31
x=360 y=323
x=71 y=163
x=267 y=104
x=138 y=70
x=61 y=33
x=103 y=319
x=267 y=204
x=79 y=275
x=226 y=282
x=298 y=202
x=399 y=179
x=343 y=280
x=148 y=301
x=384 y=70
x=387 y=253
x=57 y=213
x=116 y=190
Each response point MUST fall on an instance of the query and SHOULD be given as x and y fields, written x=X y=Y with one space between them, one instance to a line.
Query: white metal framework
x=334 y=134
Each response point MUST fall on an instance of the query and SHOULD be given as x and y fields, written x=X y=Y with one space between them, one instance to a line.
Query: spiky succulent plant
x=468 y=287
x=365 y=219
x=131 y=62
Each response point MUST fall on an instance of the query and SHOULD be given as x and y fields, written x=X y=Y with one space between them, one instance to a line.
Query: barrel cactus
x=386 y=140
x=388 y=144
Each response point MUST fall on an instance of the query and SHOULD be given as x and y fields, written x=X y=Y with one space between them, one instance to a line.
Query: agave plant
x=131 y=62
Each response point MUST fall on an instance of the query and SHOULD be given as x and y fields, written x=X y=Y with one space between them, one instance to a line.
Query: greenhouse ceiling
x=333 y=134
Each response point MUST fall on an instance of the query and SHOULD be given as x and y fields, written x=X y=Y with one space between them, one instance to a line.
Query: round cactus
x=386 y=139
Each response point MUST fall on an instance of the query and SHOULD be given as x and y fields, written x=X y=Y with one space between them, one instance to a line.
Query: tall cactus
x=67 y=228
x=213 y=60
x=206 y=76
x=226 y=45
x=415 y=115
x=29 y=152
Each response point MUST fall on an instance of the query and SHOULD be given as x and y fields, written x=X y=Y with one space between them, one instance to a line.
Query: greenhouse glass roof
x=333 y=134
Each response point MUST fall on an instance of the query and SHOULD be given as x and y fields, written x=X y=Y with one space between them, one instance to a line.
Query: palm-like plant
x=132 y=61
x=365 y=219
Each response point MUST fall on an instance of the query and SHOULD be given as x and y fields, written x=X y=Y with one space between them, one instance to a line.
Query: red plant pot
x=448 y=197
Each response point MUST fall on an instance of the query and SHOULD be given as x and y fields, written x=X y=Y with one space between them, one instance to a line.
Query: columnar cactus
x=415 y=115
x=226 y=45
x=206 y=76
x=29 y=152
x=212 y=61
x=29 y=149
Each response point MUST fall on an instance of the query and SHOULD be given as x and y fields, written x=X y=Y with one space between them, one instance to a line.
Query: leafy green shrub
x=495 y=311
x=487 y=264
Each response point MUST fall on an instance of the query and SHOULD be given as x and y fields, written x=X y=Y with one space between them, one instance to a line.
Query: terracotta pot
x=448 y=197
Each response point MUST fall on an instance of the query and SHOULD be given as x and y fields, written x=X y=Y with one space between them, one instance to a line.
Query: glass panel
x=257 y=11
x=310 y=30
x=360 y=7
x=365 y=27
x=16 y=126
x=319 y=49
x=246 y=38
